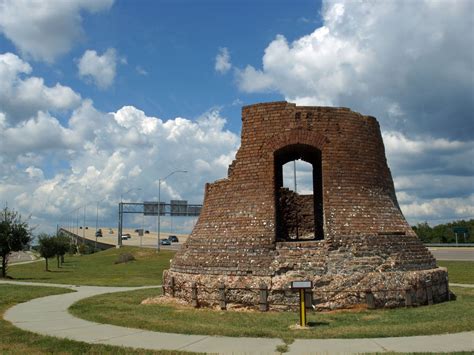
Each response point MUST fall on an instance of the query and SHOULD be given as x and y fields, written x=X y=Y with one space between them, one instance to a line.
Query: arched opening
x=299 y=214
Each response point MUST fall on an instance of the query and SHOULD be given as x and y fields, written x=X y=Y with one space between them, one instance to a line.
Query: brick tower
x=349 y=237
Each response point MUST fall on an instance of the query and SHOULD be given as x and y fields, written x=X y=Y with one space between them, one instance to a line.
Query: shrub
x=72 y=249
x=125 y=258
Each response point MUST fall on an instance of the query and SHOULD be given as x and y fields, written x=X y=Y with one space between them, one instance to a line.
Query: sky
x=99 y=99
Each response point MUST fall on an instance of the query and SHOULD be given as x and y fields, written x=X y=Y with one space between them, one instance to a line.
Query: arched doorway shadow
x=298 y=217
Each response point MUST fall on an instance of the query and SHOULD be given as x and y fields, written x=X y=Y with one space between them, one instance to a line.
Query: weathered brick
x=244 y=234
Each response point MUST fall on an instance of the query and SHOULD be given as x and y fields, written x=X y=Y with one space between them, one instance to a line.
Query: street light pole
x=84 y=227
x=294 y=173
x=159 y=213
x=77 y=222
x=97 y=221
x=159 y=203
x=119 y=232
x=96 y=224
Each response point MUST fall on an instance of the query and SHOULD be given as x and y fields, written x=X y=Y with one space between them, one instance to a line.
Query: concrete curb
x=49 y=316
x=461 y=285
x=27 y=262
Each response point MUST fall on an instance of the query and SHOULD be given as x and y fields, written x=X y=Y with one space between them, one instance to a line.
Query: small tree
x=424 y=232
x=72 y=249
x=62 y=247
x=47 y=247
x=14 y=235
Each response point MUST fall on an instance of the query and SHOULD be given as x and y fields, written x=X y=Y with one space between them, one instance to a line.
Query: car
x=165 y=242
x=173 y=239
x=98 y=233
x=126 y=236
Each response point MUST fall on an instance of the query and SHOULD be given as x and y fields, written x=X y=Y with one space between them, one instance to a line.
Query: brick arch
x=276 y=142
x=292 y=137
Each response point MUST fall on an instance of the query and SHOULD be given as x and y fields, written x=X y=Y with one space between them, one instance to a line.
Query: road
x=458 y=254
x=20 y=257
x=149 y=240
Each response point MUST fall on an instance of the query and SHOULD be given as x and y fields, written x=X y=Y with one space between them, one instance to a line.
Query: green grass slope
x=99 y=269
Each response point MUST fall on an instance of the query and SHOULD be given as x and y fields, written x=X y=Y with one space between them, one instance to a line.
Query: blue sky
x=175 y=43
x=98 y=97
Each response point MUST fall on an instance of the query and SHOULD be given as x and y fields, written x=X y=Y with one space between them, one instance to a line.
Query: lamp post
x=294 y=173
x=84 y=227
x=77 y=221
x=84 y=224
x=119 y=234
x=97 y=222
x=159 y=203
x=130 y=190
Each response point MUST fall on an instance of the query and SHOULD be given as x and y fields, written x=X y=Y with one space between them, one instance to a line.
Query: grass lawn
x=125 y=309
x=99 y=269
x=17 y=341
x=459 y=271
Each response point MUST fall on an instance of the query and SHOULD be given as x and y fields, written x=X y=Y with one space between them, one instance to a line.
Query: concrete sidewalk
x=49 y=316
x=461 y=285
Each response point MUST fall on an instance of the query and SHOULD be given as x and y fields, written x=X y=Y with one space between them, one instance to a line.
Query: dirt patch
x=371 y=317
x=125 y=258
x=181 y=304
x=354 y=309
x=166 y=301
x=298 y=327
x=144 y=253
x=239 y=308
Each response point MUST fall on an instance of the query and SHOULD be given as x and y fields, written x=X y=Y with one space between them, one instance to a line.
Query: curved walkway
x=49 y=316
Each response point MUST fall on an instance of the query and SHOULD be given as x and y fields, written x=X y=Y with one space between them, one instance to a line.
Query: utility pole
x=294 y=173
x=84 y=227
x=159 y=203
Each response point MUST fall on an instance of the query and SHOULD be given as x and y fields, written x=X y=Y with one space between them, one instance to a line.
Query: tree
x=47 y=247
x=444 y=233
x=423 y=230
x=14 y=235
x=62 y=247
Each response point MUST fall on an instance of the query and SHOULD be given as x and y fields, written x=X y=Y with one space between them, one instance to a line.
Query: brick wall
x=296 y=214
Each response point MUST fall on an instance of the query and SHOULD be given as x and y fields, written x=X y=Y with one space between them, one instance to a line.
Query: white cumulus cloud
x=22 y=97
x=401 y=61
x=50 y=167
x=46 y=29
x=223 y=64
x=101 y=69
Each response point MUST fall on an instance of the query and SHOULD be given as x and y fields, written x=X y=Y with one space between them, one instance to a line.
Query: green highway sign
x=460 y=230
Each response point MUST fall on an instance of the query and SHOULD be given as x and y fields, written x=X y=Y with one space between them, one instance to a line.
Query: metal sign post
x=302 y=286
x=120 y=225
x=460 y=231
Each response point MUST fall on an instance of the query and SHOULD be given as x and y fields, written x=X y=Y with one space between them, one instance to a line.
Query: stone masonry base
x=332 y=291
